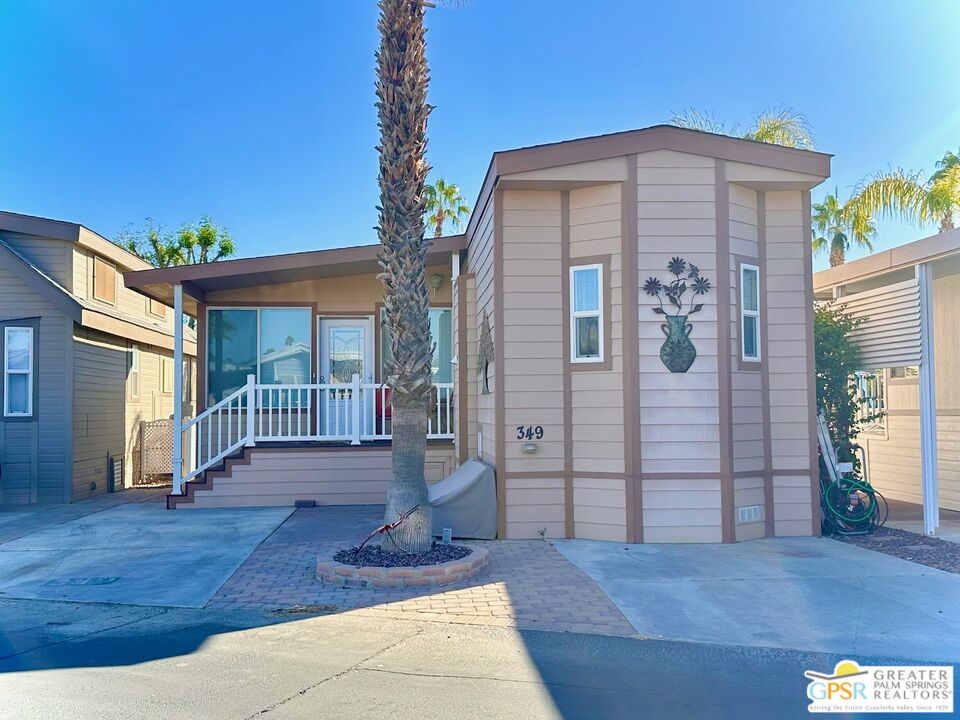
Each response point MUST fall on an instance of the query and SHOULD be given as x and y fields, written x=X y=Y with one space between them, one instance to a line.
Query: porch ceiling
x=197 y=280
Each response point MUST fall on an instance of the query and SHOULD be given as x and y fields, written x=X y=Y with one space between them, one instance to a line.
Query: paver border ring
x=331 y=572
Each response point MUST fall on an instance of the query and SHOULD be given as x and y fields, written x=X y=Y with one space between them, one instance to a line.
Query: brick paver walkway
x=527 y=584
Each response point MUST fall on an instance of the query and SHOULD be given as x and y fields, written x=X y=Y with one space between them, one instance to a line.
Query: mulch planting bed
x=930 y=551
x=374 y=556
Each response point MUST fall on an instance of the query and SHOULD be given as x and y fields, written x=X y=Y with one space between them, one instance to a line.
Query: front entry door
x=346 y=348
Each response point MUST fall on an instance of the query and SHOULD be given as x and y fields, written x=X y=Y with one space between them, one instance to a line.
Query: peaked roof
x=81 y=311
x=656 y=137
x=70 y=232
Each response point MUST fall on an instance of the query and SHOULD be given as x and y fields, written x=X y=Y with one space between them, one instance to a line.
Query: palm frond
x=943 y=197
x=949 y=160
x=783 y=126
x=895 y=193
x=694 y=119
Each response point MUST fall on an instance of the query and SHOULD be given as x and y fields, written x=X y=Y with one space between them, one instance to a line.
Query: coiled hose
x=851 y=506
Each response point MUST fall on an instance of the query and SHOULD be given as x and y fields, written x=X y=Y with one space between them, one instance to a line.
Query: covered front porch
x=293 y=353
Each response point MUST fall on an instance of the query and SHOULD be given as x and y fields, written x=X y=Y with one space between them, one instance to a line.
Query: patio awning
x=197 y=280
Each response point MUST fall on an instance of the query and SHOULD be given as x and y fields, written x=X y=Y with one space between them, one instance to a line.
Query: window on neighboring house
x=750 y=313
x=187 y=380
x=441 y=334
x=18 y=371
x=134 y=371
x=586 y=316
x=871 y=402
x=907 y=372
x=156 y=308
x=166 y=375
x=104 y=281
x=271 y=343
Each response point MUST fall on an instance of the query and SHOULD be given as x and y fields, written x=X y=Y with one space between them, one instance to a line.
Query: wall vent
x=748 y=514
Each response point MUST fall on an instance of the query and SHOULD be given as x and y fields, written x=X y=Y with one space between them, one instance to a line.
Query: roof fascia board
x=41 y=227
x=110 y=250
x=658 y=137
x=273 y=263
x=926 y=249
x=131 y=331
x=664 y=138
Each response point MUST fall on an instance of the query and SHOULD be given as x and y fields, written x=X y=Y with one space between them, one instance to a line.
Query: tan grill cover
x=466 y=502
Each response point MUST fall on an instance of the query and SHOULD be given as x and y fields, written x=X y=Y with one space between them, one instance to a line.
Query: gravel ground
x=929 y=551
x=374 y=556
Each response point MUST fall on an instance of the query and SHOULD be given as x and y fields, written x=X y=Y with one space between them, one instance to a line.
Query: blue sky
x=262 y=114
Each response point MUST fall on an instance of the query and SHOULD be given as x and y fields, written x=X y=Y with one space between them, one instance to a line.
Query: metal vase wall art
x=677 y=352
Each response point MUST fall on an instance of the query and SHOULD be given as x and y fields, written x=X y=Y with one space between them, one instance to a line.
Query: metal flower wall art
x=677 y=352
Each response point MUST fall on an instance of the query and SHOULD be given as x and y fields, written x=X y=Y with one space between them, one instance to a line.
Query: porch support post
x=928 y=404
x=177 y=488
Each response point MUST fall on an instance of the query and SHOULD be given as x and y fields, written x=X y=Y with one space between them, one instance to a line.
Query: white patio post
x=177 y=488
x=251 y=410
x=928 y=405
x=355 y=408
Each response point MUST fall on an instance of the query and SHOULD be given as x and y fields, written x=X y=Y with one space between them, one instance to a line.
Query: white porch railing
x=294 y=413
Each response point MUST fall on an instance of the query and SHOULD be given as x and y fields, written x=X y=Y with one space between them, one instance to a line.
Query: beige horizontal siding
x=326 y=476
x=676 y=216
x=533 y=505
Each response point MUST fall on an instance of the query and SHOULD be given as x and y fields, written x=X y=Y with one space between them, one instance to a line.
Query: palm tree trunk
x=946 y=222
x=837 y=254
x=402 y=109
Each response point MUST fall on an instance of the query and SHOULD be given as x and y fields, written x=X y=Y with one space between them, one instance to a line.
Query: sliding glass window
x=271 y=343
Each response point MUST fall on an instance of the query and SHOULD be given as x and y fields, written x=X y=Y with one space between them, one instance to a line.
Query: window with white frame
x=586 y=313
x=18 y=371
x=134 y=371
x=750 y=313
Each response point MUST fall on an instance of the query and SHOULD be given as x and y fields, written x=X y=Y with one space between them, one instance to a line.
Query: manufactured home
x=623 y=332
x=85 y=362
x=906 y=300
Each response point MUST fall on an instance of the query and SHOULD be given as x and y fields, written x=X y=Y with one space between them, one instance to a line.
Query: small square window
x=156 y=308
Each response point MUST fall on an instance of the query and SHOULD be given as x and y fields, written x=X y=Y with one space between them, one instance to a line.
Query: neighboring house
x=548 y=359
x=84 y=360
x=908 y=299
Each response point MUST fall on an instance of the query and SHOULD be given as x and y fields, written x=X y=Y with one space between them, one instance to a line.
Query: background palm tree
x=913 y=198
x=838 y=226
x=402 y=111
x=444 y=202
x=783 y=126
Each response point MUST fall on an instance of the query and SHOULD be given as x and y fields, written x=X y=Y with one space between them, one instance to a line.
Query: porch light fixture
x=436 y=282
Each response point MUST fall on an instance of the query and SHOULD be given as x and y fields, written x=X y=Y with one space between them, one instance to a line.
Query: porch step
x=281 y=475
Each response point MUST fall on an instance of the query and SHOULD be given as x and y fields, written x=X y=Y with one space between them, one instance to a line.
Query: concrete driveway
x=137 y=553
x=811 y=594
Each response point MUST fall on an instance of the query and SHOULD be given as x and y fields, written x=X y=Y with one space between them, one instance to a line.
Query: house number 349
x=529 y=432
